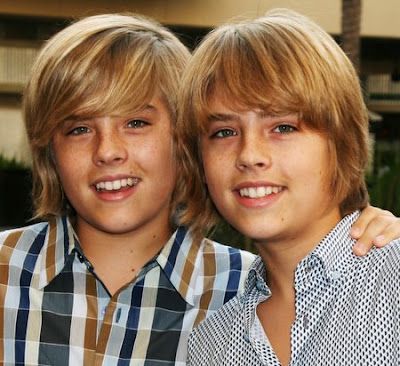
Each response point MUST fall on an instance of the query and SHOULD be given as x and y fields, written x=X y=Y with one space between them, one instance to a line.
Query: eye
x=137 y=123
x=284 y=129
x=80 y=130
x=226 y=132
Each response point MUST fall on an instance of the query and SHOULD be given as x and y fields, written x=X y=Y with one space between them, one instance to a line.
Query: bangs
x=110 y=73
x=251 y=70
x=117 y=81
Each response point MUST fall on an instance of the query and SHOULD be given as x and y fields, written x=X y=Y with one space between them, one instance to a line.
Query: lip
x=259 y=202
x=110 y=178
x=255 y=185
x=117 y=195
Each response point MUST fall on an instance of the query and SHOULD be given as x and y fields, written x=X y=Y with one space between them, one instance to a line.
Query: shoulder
x=238 y=259
x=34 y=240
x=23 y=237
x=219 y=273
x=19 y=251
x=386 y=258
x=388 y=261
x=379 y=271
x=229 y=265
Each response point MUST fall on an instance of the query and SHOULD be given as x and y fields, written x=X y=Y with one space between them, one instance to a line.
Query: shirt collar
x=256 y=277
x=181 y=261
x=59 y=242
x=333 y=253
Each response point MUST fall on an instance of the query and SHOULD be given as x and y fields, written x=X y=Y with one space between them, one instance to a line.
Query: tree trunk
x=351 y=24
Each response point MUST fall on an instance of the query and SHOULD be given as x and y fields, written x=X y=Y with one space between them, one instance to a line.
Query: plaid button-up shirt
x=55 y=311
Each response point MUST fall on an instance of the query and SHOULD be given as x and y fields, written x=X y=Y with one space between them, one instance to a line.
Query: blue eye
x=79 y=130
x=224 y=133
x=284 y=129
x=137 y=123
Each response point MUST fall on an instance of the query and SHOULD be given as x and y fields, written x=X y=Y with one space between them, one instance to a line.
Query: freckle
x=131 y=251
x=154 y=236
x=133 y=269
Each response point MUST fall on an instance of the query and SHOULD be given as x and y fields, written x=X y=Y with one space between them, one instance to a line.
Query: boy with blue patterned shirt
x=274 y=113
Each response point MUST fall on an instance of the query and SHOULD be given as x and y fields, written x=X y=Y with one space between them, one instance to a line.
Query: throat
x=117 y=259
x=277 y=315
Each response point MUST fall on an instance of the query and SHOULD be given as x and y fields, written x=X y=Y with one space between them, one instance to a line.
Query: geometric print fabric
x=347 y=311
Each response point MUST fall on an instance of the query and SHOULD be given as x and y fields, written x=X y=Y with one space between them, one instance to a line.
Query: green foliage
x=11 y=164
x=384 y=180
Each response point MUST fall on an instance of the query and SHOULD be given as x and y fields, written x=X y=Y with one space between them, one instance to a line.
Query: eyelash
x=287 y=129
x=281 y=129
x=80 y=130
x=137 y=123
x=221 y=134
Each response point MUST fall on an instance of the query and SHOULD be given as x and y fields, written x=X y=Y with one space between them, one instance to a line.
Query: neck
x=117 y=258
x=282 y=255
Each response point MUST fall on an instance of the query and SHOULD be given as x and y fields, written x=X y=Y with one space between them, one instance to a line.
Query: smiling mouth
x=116 y=185
x=259 y=192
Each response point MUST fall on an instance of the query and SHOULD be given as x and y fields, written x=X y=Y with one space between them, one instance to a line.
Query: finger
x=390 y=233
x=376 y=228
x=379 y=232
x=366 y=217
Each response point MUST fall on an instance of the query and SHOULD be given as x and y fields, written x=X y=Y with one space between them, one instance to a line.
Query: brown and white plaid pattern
x=55 y=311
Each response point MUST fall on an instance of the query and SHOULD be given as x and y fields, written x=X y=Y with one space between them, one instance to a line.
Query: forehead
x=221 y=102
x=92 y=107
x=222 y=99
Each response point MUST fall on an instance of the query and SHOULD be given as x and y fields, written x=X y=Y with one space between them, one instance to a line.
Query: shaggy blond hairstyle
x=100 y=65
x=281 y=63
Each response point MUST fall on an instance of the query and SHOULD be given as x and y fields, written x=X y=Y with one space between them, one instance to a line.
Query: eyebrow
x=149 y=107
x=223 y=117
x=78 y=118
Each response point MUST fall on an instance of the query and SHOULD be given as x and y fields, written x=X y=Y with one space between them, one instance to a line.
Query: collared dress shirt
x=54 y=310
x=346 y=311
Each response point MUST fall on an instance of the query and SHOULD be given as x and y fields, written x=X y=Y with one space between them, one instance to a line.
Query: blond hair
x=100 y=65
x=280 y=63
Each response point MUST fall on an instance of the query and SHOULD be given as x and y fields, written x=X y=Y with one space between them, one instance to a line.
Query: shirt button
x=261 y=287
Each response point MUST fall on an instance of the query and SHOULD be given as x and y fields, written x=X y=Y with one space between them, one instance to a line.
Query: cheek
x=210 y=167
x=156 y=155
x=320 y=171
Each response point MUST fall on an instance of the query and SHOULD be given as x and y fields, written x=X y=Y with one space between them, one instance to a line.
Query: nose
x=254 y=153
x=110 y=148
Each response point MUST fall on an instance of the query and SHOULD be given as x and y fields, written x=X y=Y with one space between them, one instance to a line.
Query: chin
x=114 y=228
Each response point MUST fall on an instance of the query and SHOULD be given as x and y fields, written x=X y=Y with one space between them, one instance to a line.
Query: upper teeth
x=258 y=192
x=116 y=184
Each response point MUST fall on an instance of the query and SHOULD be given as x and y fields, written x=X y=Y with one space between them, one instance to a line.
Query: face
x=267 y=175
x=118 y=172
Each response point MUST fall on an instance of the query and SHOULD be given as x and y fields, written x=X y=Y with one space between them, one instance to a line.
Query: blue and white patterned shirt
x=55 y=311
x=347 y=311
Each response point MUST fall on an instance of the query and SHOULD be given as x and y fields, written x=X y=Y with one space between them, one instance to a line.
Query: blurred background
x=368 y=30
